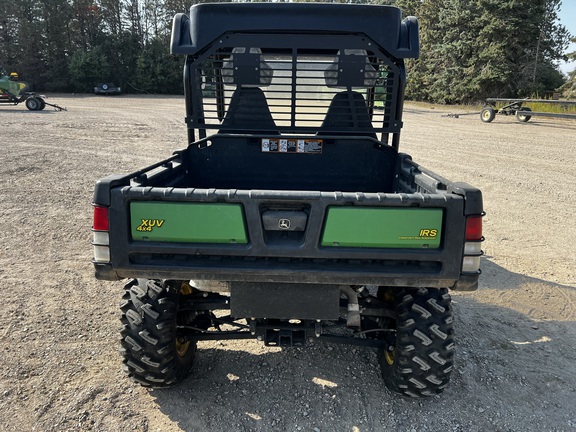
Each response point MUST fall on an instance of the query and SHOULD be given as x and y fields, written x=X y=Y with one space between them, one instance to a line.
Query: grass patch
x=443 y=107
x=557 y=108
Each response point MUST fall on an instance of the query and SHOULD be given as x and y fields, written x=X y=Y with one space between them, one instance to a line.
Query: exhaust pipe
x=353 y=317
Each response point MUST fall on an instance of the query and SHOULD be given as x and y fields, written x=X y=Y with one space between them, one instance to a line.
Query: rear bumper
x=303 y=260
x=337 y=273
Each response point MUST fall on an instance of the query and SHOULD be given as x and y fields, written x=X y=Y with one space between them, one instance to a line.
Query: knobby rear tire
x=421 y=359
x=153 y=354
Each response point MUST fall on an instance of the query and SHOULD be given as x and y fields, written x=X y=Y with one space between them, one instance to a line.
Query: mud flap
x=285 y=301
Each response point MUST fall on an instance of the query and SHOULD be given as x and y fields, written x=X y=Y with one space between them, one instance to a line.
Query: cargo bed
x=186 y=221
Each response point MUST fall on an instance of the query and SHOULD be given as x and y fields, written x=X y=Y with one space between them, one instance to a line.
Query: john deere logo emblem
x=284 y=224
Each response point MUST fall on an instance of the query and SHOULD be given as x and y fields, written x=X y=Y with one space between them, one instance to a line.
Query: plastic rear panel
x=383 y=228
x=187 y=222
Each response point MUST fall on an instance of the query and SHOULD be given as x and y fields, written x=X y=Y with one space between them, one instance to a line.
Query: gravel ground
x=515 y=362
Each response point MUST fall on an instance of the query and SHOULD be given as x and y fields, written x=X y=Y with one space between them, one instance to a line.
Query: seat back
x=248 y=110
x=347 y=112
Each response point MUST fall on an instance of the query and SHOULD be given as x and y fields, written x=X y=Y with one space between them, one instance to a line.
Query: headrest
x=353 y=69
x=246 y=68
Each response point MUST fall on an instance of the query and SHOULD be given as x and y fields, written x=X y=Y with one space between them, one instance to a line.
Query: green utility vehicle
x=290 y=217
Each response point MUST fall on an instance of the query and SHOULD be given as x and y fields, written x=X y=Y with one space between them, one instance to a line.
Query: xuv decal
x=149 y=224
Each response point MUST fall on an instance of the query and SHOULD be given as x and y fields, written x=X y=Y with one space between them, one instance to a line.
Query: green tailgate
x=383 y=227
x=188 y=222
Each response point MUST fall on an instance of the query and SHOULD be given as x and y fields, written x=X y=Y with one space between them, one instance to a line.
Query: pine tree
x=569 y=88
x=473 y=50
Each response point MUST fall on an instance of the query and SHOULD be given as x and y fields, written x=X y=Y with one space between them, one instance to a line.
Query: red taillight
x=474 y=228
x=100 y=218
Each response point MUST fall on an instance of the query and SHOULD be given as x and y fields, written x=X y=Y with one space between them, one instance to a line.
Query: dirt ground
x=516 y=336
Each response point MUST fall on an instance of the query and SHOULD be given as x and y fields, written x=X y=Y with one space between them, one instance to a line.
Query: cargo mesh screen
x=338 y=84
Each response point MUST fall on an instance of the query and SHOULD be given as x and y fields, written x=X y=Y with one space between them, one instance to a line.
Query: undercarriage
x=410 y=328
x=206 y=316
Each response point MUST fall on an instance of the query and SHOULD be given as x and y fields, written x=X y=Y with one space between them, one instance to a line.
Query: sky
x=567 y=17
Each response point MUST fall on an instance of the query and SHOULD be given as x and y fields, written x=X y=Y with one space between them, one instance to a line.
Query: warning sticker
x=292 y=145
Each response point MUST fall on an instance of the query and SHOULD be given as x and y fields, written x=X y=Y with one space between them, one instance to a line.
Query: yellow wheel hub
x=389 y=356
x=182 y=345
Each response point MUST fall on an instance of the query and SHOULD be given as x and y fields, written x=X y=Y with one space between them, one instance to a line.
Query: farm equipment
x=15 y=92
x=522 y=113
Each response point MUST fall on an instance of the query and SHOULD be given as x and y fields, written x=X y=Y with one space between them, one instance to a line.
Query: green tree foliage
x=471 y=50
x=157 y=70
x=71 y=45
x=569 y=88
x=20 y=49
x=55 y=44
x=87 y=68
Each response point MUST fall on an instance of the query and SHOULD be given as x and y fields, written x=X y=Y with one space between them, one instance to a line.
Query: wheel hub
x=182 y=346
